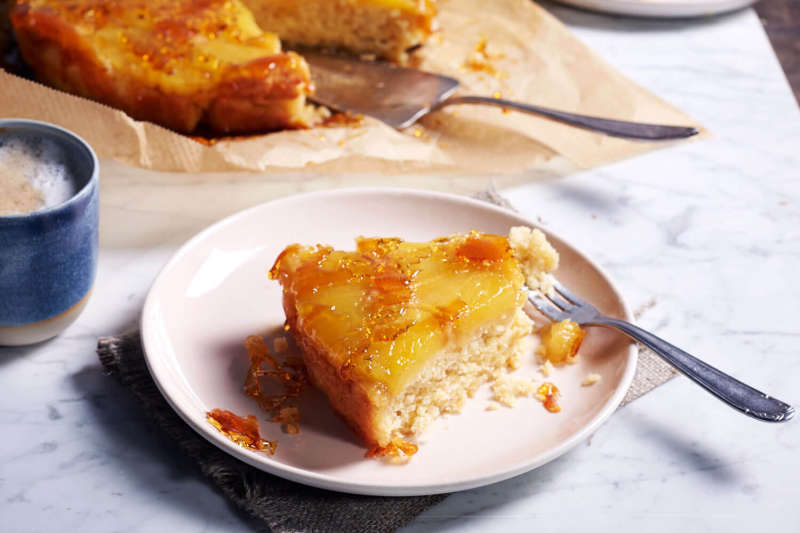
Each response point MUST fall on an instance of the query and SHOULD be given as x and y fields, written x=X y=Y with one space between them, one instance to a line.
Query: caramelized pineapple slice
x=382 y=311
x=561 y=341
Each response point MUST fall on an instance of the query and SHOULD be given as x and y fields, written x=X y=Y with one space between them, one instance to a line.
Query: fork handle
x=738 y=395
x=615 y=128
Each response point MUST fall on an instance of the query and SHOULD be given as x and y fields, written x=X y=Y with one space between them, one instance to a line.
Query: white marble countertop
x=707 y=232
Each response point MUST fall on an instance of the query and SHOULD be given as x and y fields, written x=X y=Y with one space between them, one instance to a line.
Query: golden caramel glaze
x=178 y=63
x=380 y=312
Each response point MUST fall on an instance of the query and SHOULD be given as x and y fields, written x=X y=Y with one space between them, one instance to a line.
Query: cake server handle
x=615 y=128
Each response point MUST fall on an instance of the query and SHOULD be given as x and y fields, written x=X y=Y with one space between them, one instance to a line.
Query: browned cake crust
x=359 y=404
x=155 y=77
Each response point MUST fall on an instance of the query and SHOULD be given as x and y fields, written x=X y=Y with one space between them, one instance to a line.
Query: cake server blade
x=400 y=96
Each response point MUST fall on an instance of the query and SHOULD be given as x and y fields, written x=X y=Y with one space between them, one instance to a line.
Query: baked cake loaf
x=179 y=63
x=396 y=333
x=385 y=28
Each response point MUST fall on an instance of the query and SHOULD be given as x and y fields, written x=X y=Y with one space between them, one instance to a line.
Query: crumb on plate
x=591 y=379
x=507 y=389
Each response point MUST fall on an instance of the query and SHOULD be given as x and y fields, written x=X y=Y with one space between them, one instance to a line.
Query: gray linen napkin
x=278 y=505
x=282 y=506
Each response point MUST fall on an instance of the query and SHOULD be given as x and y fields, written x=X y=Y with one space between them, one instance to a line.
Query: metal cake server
x=400 y=96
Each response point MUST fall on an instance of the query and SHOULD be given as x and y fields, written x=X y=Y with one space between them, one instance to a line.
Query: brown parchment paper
x=532 y=57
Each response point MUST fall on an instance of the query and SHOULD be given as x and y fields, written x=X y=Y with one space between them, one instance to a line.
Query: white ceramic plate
x=215 y=292
x=661 y=8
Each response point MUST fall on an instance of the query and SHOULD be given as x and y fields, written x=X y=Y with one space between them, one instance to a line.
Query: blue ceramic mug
x=48 y=256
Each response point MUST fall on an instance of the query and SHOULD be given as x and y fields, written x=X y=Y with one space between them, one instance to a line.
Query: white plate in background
x=661 y=8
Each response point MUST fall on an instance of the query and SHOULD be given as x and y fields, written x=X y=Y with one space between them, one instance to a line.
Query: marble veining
x=703 y=237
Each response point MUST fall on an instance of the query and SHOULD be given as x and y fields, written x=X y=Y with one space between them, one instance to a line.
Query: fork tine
x=566 y=293
x=560 y=301
x=545 y=306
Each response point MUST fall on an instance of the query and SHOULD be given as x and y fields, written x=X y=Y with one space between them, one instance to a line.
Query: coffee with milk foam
x=33 y=175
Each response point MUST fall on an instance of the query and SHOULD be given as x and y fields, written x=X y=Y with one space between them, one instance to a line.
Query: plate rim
x=329 y=482
x=667 y=9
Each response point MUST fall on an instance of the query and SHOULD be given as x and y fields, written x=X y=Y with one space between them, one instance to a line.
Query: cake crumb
x=546 y=368
x=591 y=379
x=537 y=257
x=280 y=344
x=507 y=389
x=492 y=407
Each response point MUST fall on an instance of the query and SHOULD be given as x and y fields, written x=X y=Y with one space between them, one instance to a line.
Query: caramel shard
x=242 y=431
x=289 y=377
x=548 y=394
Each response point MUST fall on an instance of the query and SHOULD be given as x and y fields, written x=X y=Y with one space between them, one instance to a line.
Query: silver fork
x=563 y=304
